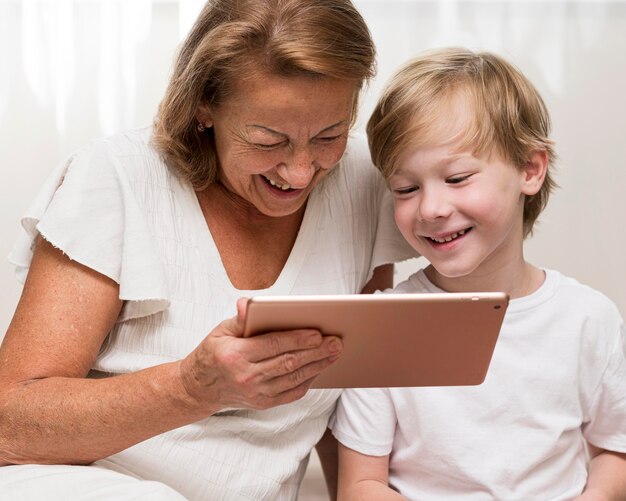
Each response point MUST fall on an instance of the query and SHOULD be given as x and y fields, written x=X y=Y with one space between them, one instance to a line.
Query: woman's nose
x=299 y=168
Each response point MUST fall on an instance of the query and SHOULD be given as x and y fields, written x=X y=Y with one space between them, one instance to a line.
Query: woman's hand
x=259 y=372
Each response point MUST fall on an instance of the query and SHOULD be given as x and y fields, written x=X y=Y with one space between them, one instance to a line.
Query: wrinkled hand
x=227 y=370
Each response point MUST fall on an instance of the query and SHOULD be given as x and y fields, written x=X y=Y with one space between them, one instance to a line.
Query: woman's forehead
x=274 y=97
x=294 y=108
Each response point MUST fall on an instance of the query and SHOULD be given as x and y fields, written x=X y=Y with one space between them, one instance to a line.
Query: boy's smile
x=444 y=239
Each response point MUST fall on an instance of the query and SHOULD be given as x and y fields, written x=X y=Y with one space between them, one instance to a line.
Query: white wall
x=71 y=70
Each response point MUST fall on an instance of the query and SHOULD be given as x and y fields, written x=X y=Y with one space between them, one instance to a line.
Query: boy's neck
x=518 y=280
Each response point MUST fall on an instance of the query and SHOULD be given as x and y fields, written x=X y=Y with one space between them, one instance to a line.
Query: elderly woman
x=140 y=244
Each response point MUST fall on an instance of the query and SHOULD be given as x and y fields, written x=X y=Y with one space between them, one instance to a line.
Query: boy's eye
x=457 y=179
x=405 y=190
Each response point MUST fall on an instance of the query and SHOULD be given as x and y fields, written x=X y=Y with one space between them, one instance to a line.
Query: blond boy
x=463 y=140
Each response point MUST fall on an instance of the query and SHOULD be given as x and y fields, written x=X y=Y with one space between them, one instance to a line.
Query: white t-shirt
x=557 y=377
x=115 y=207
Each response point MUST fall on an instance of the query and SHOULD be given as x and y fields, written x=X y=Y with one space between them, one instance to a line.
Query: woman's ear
x=203 y=115
x=535 y=172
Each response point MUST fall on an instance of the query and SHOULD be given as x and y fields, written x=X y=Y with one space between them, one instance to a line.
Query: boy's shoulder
x=559 y=292
x=570 y=289
x=563 y=306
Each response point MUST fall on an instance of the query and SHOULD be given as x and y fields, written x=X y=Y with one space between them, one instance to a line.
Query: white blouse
x=116 y=207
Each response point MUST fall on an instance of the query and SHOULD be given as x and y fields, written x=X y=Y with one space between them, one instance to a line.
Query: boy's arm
x=607 y=476
x=327 y=451
x=364 y=477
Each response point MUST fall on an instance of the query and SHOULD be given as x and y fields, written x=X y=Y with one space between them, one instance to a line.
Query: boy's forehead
x=450 y=121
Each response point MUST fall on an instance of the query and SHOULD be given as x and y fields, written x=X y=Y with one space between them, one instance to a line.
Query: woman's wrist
x=185 y=395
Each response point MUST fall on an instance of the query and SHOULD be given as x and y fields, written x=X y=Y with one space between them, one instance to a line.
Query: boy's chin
x=437 y=272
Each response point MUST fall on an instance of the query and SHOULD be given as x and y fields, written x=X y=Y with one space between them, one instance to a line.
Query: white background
x=72 y=70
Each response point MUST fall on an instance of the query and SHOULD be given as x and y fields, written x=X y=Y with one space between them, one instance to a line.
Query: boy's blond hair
x=509 y=116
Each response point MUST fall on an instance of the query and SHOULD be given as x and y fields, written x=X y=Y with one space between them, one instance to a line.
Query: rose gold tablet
x=393 y=340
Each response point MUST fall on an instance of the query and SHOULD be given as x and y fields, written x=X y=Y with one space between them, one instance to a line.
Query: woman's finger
x=304 y=376
x=272 y=344
x=293 y=361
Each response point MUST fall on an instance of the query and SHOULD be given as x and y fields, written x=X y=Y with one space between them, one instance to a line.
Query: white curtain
x=72 y=70
x=87 y=65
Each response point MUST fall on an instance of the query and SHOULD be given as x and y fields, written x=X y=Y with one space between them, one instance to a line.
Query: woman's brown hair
x=233 y=38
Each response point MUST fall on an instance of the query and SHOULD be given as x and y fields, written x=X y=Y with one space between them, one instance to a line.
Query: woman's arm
x=49 y=411
x=607 y=476
x=381 y=279
x=364 y=477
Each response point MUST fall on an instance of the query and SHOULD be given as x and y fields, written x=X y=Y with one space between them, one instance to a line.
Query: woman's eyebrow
x=283 y=134
x=267 y=129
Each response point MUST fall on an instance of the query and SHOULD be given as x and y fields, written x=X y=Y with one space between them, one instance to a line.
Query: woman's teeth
x=283 y=187
x=449 y=238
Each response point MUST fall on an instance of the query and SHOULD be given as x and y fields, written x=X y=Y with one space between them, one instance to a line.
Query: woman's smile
x=276 y=138
x=282 y=190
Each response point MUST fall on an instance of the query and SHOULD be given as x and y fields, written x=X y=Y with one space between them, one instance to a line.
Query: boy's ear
x=534 y=172
x=204 y=116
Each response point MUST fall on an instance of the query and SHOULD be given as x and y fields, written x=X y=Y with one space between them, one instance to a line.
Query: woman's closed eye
x=269 y=146
x=280 y=144
x=329 y=139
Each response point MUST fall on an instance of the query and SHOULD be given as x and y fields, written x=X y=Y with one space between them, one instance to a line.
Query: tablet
x=393 y=340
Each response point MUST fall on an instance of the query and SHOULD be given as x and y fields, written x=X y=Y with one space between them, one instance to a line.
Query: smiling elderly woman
x=124 y=374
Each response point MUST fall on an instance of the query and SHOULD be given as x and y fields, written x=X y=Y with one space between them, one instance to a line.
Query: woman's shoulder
x=355 y=176
x=129 y=154
x=120 y=167
x=357 y=156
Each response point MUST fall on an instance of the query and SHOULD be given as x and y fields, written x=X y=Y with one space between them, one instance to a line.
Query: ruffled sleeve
x=89 y=210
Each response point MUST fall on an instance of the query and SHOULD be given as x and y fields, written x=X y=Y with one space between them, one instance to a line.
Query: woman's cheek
x=331 y=154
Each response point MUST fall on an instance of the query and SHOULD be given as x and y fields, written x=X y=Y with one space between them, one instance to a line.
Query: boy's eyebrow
x=454 y=158
x=447 y=160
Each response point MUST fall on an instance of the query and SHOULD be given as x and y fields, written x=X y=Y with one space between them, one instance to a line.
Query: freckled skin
x=290 y=130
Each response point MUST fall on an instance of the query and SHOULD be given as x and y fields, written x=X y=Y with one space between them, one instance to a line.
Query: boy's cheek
x=406 y=222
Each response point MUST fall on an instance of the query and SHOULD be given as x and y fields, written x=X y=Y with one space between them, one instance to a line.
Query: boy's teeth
x=449 y=238
x=283 y=187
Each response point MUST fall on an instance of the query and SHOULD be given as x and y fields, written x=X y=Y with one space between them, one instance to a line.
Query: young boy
x=463 y=140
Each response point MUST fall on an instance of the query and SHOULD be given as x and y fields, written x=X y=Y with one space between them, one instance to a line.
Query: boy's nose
x=433 y=205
